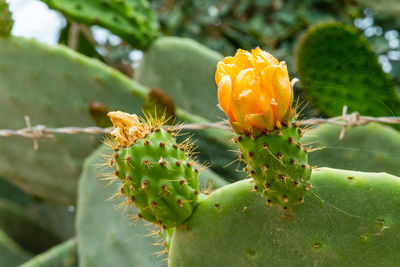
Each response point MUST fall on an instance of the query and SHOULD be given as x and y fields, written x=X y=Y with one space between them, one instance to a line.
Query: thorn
x=189 y=164
x=178 y=163
x=145 y=184
x=285 y=198
x=127 y=159
x=146 y=142
x=180 y=202
x=162 y=144
x=292 y=161
x=291 y=140
x=278 y=133
x=175 y=146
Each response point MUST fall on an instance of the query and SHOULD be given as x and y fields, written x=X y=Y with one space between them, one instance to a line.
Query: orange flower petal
x=225 y=95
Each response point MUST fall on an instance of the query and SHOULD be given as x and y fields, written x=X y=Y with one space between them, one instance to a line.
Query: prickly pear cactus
x=127 y=241
x=76 y=82
x=278 y=163
x=62 y=255
x=157 y=174
x=6 y=21
x=337 y=67
x=132 y=20
x=349 y=218
x=369 y=148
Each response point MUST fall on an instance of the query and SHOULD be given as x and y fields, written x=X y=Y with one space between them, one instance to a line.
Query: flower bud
x=254 y=91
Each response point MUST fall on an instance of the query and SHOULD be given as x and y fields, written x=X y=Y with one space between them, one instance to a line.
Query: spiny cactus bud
x=255 y=92
x=156 y=173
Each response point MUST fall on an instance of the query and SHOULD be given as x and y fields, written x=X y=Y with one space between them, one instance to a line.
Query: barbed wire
x=37 y=132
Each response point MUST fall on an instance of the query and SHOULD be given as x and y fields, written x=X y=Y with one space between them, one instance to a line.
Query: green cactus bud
x=157 y=174
x=278 y=163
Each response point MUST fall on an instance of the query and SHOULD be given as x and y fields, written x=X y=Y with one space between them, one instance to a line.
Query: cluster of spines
x=158 y=176
x=278 y=163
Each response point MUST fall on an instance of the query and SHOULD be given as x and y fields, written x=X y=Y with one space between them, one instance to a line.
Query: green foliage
x=158 y=103
x=23 y=228
x=278 y=163
x=83 y=44
x=62 y=255
x=369 y=148
x=6 y=21
x=59 y=101
x=337 y=67
x=10 y=253
x=132 y=20
x=348 y=218
x=230 y=24
x=125 y=241
x=391 y=7
x=158 y=176
x=183 y=69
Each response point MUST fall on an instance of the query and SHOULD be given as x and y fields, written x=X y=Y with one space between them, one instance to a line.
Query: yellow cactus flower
x=254 y=91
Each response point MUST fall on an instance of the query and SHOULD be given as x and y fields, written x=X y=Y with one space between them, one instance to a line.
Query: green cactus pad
x=54 y=86
x=278 y=163
x=126 y=242
x=62 y=255
x=184 y=69
x=159 y=178
x=349 y=219
x=10 y=252
x=370 y=148
x=337 y=67
x=132 y=20
x=6 y=21
x=28 y=231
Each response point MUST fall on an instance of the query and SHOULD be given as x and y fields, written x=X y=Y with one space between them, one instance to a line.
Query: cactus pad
x=369 y=148
x=349 y=219
x=54 y=86
x=278 y=163
x=337 y=67
x=132 y=20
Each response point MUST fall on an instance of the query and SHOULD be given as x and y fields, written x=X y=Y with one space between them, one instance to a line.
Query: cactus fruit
x=349 y=219
x=6 y=21
x=132 y=20
x=62 y=255
x=337 y=67
x=369 y=148
x=157 y=174
x=255 y=93
x=76 y=81
x=278 y=163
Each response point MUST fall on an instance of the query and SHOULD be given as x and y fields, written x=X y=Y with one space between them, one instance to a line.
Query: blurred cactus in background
x=269 y=190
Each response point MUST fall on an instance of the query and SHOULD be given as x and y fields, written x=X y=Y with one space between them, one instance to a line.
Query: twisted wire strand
x=41 y=131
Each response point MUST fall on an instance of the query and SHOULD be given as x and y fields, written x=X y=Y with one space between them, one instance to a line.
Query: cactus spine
x=278 y=163
x=156 y=173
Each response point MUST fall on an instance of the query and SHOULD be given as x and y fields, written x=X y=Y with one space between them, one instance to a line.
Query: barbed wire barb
x=37 y=132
